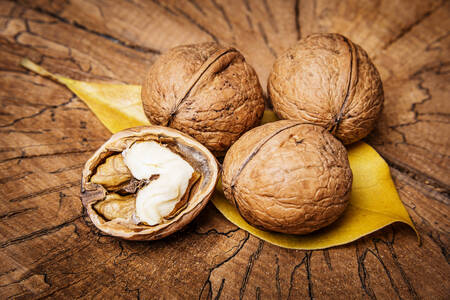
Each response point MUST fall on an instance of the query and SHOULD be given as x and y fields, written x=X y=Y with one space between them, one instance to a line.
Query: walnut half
x=147 y=182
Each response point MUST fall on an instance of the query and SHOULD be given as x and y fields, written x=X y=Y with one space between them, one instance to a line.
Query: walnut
x=147 y=182
x=288 y=176
x=205 y=90
x=326 y=79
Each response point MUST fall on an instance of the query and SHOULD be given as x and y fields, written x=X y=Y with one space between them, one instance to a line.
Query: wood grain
x=48 y=247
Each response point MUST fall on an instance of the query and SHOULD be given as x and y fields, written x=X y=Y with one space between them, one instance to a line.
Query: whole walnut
x=328 y=80
x=205 y=90
x=288 y=176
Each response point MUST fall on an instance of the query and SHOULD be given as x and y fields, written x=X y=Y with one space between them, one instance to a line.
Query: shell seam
x=249 y=158
x=256 y=150
x=196 y=78
x=353 y=65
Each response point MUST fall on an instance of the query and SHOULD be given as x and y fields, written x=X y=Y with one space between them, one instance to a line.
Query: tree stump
x=48 y=247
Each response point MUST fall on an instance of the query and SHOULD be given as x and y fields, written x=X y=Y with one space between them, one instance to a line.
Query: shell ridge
x=247 y=160
x=196 y=78
x=256 y=150
x=351 y=82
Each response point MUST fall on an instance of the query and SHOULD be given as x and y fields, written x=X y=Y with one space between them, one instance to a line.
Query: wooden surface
x=48 y=247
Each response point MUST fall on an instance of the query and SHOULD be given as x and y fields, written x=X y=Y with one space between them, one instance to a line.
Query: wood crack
x=271 y=18
x=50 y=190
x=291 y=282
x=62 y=170
x=277 y=278
x=23 y=156
x=199 y=26
x=442 y=246
x=363 y=274
x=49 y=295
x=17 y=212
x=219 y=292
x=433 y=234
x=408 y=29
x=309 y=275
x=216 y=232
x=440 y=191
x=326 y=256
x=247 y=5
x=306 y=260
x=390 y=245
x=420 y=176
x=265 y=39
x=197 y=6
x=159 y=4
x=126 y=44
x=223 y=13
x=40 y=112
x=251 y=262
x=15 y=177
x=38 y=233
x=297 y=19
x=386 y=270
x=207 y=285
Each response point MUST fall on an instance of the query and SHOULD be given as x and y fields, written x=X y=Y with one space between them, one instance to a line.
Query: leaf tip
x=28 y=64
x=24 y=62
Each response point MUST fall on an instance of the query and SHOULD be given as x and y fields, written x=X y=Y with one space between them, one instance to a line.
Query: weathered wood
x=49 y=248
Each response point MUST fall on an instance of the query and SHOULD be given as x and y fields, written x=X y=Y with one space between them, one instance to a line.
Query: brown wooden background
x=48 y=247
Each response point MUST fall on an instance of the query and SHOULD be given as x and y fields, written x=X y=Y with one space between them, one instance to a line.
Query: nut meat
x=205 y=90
x=110 y=191
x=288 y=176
x=326 y=79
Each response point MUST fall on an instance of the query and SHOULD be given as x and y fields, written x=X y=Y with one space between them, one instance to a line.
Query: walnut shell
x=205 y=90
x=327 y=80
x=288 y=176
x=198 y=156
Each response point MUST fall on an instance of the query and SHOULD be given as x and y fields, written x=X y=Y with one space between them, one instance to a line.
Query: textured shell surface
x=288 y=176
x=328 y=80
x=205 y=90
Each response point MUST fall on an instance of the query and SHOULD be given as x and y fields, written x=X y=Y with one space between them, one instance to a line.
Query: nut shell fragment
x=288 y=176
x=104 y=207
x=327 y=80
x=205 y=90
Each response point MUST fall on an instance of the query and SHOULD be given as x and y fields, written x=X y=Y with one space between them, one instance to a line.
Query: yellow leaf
x=374 y=204
x=374 y=201
x=118 y=106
